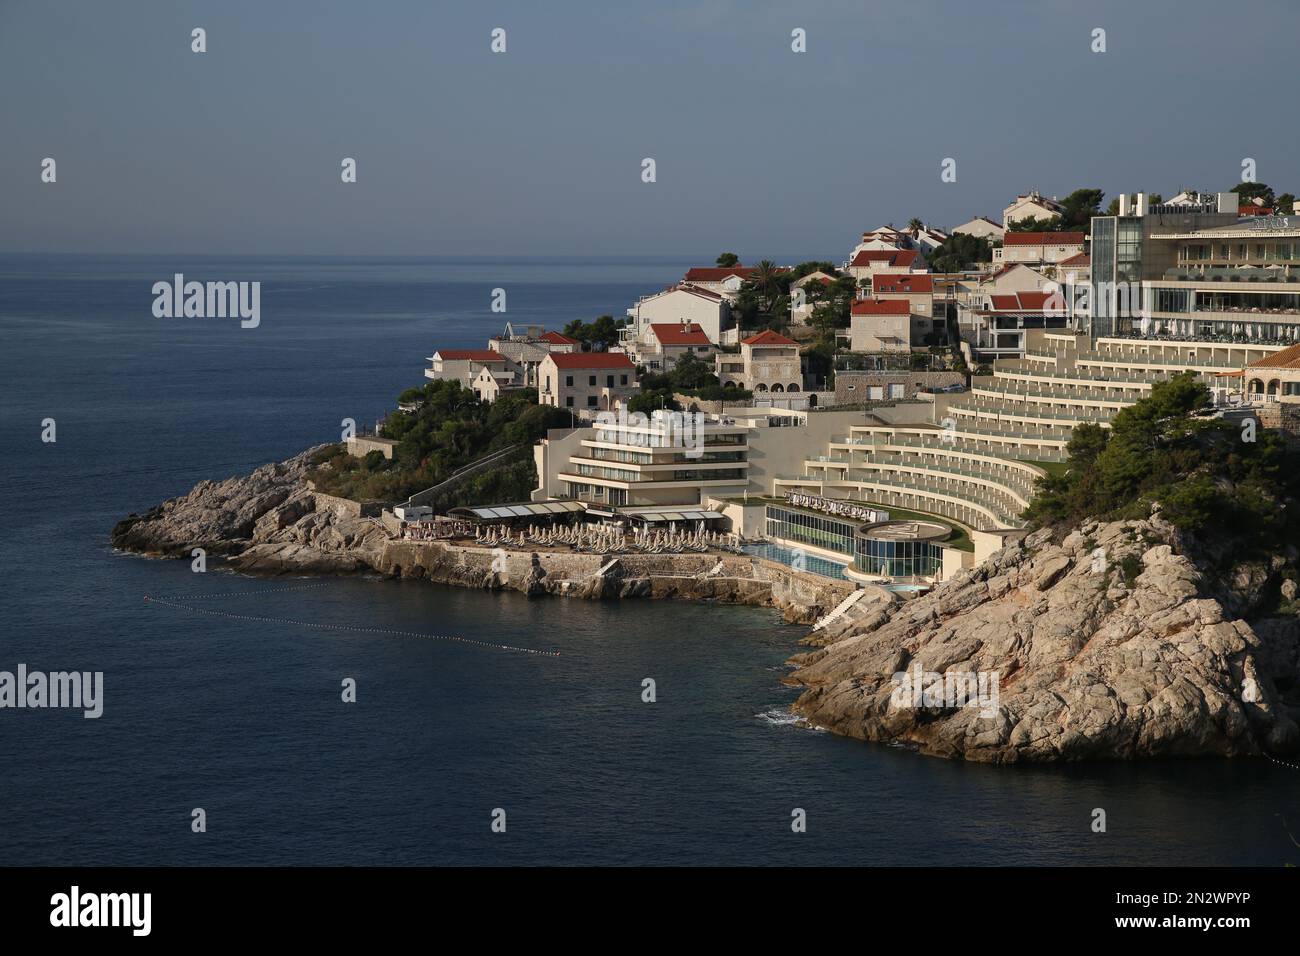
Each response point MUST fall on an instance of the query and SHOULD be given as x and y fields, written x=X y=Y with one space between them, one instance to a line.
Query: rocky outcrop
x=271 y=522
x=265 y=522
x=1108 y=644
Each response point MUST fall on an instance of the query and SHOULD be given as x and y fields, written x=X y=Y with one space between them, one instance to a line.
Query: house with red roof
x=867 y=262
x=880 y=325
x=667 y=342
x=724 y=280
x=1042 y=250
x=684 y=302
x=463 y=365
x=999 y=326
x=769 y=364
x=586 y=382
x=917 y=290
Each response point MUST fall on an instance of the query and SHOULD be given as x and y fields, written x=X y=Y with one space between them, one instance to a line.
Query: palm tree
x=915 y=226
x=766 y=281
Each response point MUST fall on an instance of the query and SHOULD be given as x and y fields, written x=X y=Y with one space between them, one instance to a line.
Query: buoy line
x=1282 y=762
x=224 y=594
x=346 y=627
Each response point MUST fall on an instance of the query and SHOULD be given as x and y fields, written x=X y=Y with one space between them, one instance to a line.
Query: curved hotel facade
x=1175 y=288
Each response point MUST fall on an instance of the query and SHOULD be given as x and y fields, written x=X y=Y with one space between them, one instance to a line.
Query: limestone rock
x=1087 y=663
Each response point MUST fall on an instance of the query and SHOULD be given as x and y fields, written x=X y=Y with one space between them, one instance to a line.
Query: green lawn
x=1053 y=468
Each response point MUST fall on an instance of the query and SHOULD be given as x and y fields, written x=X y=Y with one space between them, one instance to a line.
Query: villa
x=464 y=365
x=586 y=382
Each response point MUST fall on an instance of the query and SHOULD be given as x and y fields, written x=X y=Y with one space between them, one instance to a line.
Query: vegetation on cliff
x=449 y=428
x=1230 y=485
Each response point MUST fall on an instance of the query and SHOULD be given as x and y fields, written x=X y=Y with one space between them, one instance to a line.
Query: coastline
x=271 y=523
x=1144 y=657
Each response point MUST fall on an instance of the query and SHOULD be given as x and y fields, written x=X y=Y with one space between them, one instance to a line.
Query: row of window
x=591 y=381
x=898 y=559
x=1239 y=251
x=820 y=531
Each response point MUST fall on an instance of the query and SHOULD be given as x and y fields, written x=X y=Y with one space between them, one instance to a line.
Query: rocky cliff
x=267 y=522
x=1109 y=643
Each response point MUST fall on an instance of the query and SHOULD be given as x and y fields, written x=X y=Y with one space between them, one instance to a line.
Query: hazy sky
x=538 y=150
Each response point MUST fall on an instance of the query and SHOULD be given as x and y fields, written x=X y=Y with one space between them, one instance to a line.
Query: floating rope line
x=1282 y=762
x=224 y=594
x=346 y=627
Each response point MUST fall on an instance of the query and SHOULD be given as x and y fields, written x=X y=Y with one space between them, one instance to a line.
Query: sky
x=539 y=150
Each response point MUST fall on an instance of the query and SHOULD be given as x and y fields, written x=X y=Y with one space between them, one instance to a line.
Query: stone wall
x=727 y=579
x=346 y=507
x=912 y=383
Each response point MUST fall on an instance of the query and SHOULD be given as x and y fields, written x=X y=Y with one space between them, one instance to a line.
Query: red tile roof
x=1079 y=259
x=893 y=257
x=471 y=355
x=768 y=337
x=712 y=274
x=1020 y=301
x=903 y=283
x=1043 y=239
x=1253 y=210
x=696 y=290
x=557 y=338
x=1287 y=358
x=590 y=360
x=881 y=307
x=674 y=333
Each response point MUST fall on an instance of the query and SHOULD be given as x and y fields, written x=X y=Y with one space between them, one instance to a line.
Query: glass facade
x=820 y=531
x=1103 y=271
x=897 y=559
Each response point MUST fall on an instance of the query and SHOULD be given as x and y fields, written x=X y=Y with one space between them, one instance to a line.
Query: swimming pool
x=800 y=560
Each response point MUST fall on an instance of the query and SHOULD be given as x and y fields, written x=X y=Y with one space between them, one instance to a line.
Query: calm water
x=244 y=719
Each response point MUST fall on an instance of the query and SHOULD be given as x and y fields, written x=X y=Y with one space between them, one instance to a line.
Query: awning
x=531 y=509
x=651 y=516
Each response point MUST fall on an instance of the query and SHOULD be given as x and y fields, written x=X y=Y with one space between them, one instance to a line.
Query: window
x=622 y=380
x=568 y=401
x=568 y=381
x=591 y=401
x=591 y=380
x=609 y=381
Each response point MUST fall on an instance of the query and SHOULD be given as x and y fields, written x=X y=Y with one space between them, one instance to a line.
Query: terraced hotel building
x=1175 y=288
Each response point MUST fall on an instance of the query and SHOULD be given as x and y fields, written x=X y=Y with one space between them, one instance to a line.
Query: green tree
x=1079 y=208
x=728 y=259
x=1248 y=191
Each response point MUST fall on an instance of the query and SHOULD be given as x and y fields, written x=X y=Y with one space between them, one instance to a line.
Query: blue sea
x=243 y=718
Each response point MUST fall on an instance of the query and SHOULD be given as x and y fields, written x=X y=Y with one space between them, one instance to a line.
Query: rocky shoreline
x=1108 y=644
x=271 y=522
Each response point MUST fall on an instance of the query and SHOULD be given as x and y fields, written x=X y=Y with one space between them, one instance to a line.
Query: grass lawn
x=1053 y=468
